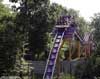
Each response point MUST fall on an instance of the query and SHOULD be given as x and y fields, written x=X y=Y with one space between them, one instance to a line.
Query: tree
x=8 y=41
x=96 y=23
x=37 y=18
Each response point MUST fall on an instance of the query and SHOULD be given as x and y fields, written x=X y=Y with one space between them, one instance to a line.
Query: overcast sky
x=86 y=7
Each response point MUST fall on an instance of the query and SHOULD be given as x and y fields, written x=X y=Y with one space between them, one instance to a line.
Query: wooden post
x=85 y=48
x=70 y=52
x=78 y=47
x=58 y=67
x=88 y=48
x=70 y=56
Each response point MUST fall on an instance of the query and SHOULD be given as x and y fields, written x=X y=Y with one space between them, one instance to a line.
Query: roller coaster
x=66 y=29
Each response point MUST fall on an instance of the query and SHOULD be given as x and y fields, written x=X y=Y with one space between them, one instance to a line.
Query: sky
x=86 y=7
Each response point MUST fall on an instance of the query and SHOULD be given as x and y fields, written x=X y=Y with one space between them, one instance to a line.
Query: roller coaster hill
x=66 y=30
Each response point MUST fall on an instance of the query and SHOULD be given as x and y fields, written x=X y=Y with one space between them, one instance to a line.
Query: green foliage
x=33 y=22
x=7 y=41
x=30 y=28
x=4 y=11
x=90 y=69
x=96 y=24
x=10 y=41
